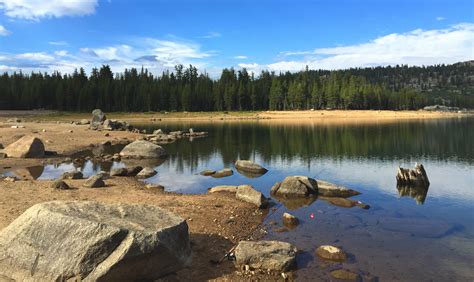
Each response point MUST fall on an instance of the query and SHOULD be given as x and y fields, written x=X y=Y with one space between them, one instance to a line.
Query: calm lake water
x=406 y=235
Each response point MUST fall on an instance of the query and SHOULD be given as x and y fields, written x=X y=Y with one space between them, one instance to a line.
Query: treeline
x=185 y=89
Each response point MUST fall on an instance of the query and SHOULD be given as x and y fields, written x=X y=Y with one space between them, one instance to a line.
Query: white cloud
x=153 y=54
x=58 y=43
x=61 y=53
x=4 y=31
x=240 y=57
x=440 y=18
x=36 y=9
x=212 y=34
x=38 y=57
x=417 y=47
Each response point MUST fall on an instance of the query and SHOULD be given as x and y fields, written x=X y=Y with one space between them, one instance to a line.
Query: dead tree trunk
x=413 y=177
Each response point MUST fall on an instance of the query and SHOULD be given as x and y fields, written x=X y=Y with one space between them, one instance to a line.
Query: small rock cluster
x=160 y=137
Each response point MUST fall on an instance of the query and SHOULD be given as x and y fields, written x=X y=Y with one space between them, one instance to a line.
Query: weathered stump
x=413 y=177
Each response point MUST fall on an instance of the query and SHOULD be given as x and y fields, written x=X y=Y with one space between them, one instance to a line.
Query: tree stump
x=413 y=177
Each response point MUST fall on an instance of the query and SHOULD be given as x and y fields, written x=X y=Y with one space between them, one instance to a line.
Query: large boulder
x=25 y=147
x=249 y=168
x=298 y=186
x=266 y=255
x=58 y=241
x=143 y=149
x=328 y=189
x=98 y=117
x=248 y=194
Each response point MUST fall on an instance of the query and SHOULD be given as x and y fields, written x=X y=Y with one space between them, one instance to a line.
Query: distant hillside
x=399 y=87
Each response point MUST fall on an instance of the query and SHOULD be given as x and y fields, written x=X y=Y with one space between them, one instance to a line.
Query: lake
x=406 y=235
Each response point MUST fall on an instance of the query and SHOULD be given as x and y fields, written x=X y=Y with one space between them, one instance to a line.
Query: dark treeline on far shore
x=184 y=89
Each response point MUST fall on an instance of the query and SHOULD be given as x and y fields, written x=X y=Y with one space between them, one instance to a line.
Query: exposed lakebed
x=407 y=234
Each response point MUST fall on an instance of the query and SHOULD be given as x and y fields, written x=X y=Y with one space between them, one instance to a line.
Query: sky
x=277 y=35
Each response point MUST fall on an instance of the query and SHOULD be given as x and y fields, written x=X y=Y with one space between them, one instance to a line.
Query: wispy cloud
x=35 y=9
x=417 y=47
x=440 y=18
x=240 y=57
x=4 y=31
x=58 y=43
x=212 y=34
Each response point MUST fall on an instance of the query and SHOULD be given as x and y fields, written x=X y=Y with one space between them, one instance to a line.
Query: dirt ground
x=216 y=221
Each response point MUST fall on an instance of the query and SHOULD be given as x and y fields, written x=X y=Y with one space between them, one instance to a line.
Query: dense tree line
x=185 y=89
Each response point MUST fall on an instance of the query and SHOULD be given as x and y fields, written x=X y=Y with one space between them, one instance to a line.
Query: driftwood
x=413 y=177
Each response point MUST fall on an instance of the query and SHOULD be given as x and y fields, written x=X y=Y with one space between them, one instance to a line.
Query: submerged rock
x=345 y=203
x=289 y=220
x=294 y=203
x=266 y=255
x=207 y=172
x=248 y=167
x=343 y=274
x=93 y=242
x=223 y=173
x=328 y=189
x=94 y=182
x=143 y=149
x=25 y=147
x=248 y=194
x=419 y=227
x=297 y=186
x=331 y=253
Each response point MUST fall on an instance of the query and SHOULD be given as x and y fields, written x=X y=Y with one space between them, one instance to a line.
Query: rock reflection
x=294 y=203
x=29 y=173
x=250 y=174
x=417 y=193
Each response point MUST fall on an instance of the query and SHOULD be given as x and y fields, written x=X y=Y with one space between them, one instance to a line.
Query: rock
x=156 y=187
x=92 y=241
x=9 y=179
x=343 y=274
x=207 y=172
x=143 y=149
x=249 y=166
x=223 y=173
x=146 y=172
x=331 y=253
x=328 y=189
x=134 y=170
x=157 y=132
x=266 y=255
x=223 y=188
x=248 y=194
x=94 y=182
x=294 y=203
x=111 y=124
x=121 y=171
x=298 y=186
x=104 y=175
x=25 y=147
x=98 y=117
x=84 y=122
x=289 y=220
x=60 y=184
x=72 y=175
x=3 y=155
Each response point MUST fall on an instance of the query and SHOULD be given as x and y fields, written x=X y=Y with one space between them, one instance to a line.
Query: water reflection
x=416 y=192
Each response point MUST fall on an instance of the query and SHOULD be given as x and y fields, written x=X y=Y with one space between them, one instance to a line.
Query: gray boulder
x=94 y=182
x=143 y=149
x=297 y=186
x=248 y=194
x=266 y=255
x=332 y=190
x=93 y=242
x=146 y=172
x=98 y=117
x=25 y=147
x=249 y=166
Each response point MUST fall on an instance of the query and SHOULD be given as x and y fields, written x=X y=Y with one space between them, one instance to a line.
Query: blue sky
x=38 y=35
